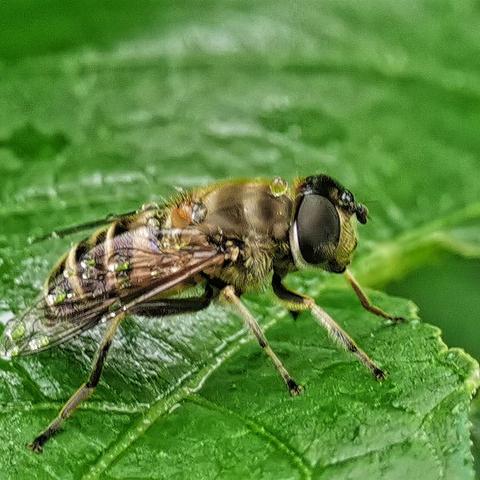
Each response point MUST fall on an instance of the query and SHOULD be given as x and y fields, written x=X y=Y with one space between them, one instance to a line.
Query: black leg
x=175 y=306
x=295 y=301
x=294 y=314
x=83 y=392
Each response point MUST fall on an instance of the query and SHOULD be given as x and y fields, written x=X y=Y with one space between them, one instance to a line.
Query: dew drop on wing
x=38 y=342
x=8 y=348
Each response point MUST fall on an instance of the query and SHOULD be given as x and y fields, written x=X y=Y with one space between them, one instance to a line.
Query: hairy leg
x=228 y=293
x=296 y=302
x=366 y=302
x=83 y=392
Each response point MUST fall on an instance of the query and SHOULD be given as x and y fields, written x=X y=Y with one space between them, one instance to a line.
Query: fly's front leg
x=296 y=302
x=366 y=302
x=228 y=293
x=83 y=392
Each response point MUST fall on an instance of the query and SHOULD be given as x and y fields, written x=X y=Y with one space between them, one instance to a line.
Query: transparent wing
x=111 y=278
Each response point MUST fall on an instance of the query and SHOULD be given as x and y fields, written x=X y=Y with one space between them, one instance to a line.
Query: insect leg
x=83 y=392
x=366 y=302
x=294 y=314
x=295 y=301
x=231 y=297
x=168 y=306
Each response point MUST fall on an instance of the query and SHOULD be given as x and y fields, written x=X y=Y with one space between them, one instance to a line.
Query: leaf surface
x=103 y=112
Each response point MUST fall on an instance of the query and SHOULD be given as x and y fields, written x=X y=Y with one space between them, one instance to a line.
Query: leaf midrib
x=188 y=385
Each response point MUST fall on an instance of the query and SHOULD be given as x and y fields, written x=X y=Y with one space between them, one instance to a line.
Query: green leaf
x=104 y=107
x=191 y=396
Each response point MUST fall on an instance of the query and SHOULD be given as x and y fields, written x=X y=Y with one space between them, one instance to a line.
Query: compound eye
x=318 y=228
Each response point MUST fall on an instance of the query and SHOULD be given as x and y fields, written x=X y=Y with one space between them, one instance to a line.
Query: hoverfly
x=229 y=237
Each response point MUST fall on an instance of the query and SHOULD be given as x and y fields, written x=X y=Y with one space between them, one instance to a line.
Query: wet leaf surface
x=193 y=395
x=383 y=97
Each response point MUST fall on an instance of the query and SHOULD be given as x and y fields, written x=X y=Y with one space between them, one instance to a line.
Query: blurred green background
x=104 y=105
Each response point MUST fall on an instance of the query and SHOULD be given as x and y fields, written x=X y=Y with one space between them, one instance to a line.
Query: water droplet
x=18 y=332
x=278 y=187
x=90 y=262
x=38 y=343
x=60 y=298
x=56 y=299
x=199 y=212
x=122 y=267
x=149 y=206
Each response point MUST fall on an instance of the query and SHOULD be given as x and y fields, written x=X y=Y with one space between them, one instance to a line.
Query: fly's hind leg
x=83 y=392
x=228 y=293
x=366 y=302
x=295 y=301
x=175 y=306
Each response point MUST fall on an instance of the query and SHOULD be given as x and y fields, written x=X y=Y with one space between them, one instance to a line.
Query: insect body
x=230 y=238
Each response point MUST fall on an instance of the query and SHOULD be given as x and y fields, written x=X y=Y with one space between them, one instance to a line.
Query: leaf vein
x=261 y=431
x=189 y=384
